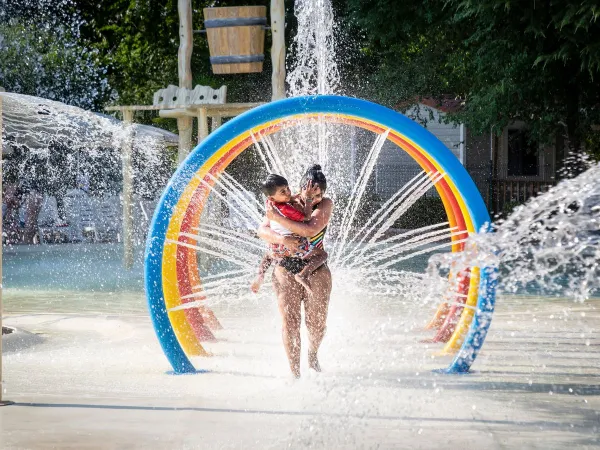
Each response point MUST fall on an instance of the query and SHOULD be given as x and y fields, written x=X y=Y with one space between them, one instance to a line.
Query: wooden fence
x=507 y=193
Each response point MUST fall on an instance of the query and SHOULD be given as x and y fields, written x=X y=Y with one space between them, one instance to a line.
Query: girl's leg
x=316 y=307
x=289 y=299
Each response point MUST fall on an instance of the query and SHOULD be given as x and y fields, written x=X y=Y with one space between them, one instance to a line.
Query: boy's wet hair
x=315 y=174
x=272 y=183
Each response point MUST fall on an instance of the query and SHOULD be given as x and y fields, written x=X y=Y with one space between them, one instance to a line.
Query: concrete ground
x=99 y=380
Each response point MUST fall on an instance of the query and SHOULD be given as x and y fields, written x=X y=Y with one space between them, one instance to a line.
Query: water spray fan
x=171 y=271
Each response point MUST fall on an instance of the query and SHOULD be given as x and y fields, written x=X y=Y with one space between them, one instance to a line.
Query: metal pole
x=127 y=190
x=2 y=402
x=1 y=310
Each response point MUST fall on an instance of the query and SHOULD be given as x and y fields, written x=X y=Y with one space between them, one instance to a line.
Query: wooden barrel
x=236 y=38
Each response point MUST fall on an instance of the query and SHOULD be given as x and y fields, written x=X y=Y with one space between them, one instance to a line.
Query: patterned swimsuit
x=295 y=264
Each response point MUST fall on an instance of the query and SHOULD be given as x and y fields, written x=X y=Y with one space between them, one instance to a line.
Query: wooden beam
x=216 y=109
x=127 y=189
x=278 y=49
x=222 y=110
x=134 y=108
x=177 y=113
x=185 y=126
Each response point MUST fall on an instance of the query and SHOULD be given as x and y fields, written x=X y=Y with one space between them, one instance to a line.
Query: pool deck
x=100 y=381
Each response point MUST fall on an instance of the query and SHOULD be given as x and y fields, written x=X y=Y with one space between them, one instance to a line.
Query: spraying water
x=314 y=69
x=290 y=152
x=542 y=246
x=376 y=372
x=549 y=246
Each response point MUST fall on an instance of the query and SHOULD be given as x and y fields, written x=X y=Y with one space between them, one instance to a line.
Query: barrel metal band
x=235 y=22
x=237 y=59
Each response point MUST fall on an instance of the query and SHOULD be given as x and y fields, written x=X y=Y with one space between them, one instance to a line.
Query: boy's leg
x=262 y=269
x=316 y=259
x=265 y=264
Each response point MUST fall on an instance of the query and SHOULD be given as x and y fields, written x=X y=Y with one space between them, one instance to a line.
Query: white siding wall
x=395 y=167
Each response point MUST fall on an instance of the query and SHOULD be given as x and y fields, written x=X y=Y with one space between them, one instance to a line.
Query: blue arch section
x=292 y=107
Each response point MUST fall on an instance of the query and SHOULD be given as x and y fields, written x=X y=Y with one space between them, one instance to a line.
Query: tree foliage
x=506 y=60
x=41 y=54
x=535 y=61
x=140 y=40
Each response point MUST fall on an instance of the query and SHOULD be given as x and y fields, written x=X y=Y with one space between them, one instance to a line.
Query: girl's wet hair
x=315 y=174
x=272 y=183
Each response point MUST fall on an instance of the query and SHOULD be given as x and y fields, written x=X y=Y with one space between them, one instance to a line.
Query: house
x=395 y=168
x=507 y=169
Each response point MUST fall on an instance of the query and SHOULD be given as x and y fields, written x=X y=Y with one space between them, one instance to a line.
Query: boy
x=277 y=191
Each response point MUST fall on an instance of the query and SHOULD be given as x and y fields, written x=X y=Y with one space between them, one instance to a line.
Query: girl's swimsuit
x=292 y=265
x=295 y=265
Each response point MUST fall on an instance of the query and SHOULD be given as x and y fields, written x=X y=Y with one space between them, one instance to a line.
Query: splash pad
x=171 y=271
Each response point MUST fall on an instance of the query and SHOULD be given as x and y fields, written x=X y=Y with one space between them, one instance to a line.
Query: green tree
x=413 y=51
x=41 y=54
x=507 y=60
x=139 y=43
x=532 y=61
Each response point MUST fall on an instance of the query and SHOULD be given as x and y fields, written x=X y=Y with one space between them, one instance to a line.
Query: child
x=278 y=193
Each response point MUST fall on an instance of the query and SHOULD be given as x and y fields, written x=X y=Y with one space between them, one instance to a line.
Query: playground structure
x=186 y=104
x=172 y=276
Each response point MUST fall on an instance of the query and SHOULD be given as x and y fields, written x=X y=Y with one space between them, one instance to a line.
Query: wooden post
x=215 y=123
x=185 y=128
x=184 y=59
x=184 y=56
x=127 y=189
x=278 y=49
x=202 y=124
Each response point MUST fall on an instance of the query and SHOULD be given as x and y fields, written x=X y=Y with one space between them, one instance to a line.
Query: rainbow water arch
x=171 y=272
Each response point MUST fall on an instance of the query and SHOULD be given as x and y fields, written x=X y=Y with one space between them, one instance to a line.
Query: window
x=523 y=159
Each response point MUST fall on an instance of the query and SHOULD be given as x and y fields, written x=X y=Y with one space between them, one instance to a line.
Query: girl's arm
x=307 y=210
x=307 y=205
x=267 y=234
x=318 y=220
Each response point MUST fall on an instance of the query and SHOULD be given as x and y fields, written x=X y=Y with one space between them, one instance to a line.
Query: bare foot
x=313 y=362
x=256 y=284
x=296 y=372
x=303 y=280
